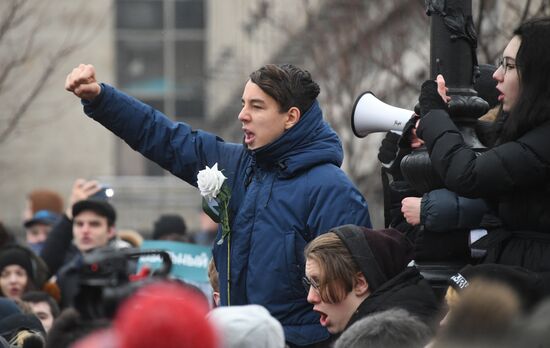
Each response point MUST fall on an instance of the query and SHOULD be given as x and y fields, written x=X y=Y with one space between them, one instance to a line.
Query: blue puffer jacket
x=282 y=196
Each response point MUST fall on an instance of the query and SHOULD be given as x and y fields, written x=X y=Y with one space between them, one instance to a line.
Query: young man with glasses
x=354 y=271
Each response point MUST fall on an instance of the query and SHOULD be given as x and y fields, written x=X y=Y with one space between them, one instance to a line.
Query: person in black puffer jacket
x=514 y=175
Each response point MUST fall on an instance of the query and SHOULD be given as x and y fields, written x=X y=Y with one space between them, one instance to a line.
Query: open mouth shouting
x=248 y=136
x=323 y=319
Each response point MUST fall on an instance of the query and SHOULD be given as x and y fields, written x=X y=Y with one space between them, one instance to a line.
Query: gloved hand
x=405 y=141
x=387 y=152
x=430 y=99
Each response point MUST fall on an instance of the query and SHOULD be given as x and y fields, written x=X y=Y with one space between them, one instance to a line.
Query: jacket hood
x=380 y=254
x=247 y=326
x=310 y=142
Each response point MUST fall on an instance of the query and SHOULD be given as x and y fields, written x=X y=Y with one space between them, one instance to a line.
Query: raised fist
x=82 y=82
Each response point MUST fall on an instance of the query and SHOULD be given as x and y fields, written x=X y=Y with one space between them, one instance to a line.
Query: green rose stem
x=228 y=271
x=223 y=197
x=222 y=216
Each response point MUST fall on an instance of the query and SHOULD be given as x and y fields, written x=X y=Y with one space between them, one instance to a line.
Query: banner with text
x=189 y=261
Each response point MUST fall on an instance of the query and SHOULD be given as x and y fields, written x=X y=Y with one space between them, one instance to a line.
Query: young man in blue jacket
x=286 y=183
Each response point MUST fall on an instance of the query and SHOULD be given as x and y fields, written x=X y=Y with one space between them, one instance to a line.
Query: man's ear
x=293 y=116
x=112 y=232
x=361 y=287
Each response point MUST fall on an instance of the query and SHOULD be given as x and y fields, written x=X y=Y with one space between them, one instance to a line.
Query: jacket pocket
x=294 y=263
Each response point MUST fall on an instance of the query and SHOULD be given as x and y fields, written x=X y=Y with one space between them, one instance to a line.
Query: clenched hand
x=82 y=82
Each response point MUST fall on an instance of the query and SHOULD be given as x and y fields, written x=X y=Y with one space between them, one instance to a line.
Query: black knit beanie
x=380 y=254
x=16 y=256
x=169 y=224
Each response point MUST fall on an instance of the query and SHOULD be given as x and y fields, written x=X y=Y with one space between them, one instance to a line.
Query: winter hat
x=380 y=254
x=12 y=324
x=164 y=315
x=16 y=256
x=45 y=217
x=98 y=206
x=486 y=86
x=43 y=199
x=526 y=284
x=8 y=307
x=169 y=224
x=249 y=326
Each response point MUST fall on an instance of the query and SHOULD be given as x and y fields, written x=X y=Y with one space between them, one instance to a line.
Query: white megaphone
x=370 y=115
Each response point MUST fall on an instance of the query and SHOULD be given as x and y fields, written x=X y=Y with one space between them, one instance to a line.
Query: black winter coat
x=514 y=176
x=409 y=291
x=63 y=259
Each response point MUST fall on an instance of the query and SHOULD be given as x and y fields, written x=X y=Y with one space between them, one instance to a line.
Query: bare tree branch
x=350 y=44
x=12 y=17
x=24 y=105
x=525 y=13
x=27 y=52
x=14 y=63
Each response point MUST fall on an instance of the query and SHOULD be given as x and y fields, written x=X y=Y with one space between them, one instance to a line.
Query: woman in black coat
x=514 y=175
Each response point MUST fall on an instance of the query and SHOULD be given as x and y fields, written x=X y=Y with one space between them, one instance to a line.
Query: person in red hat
x=163 y=314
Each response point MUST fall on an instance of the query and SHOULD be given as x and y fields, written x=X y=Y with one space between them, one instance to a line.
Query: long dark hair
x=533 y=63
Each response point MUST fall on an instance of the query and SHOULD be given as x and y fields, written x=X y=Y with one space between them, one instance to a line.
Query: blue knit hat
x=45 y=217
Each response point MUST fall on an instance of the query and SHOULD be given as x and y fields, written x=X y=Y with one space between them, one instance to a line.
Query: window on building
x=160 y=56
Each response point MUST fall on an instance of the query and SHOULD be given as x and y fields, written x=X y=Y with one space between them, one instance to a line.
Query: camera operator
x=86 y=225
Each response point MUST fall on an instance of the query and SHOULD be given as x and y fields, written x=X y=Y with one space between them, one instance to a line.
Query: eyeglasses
x=507 y=63
x=308 y=283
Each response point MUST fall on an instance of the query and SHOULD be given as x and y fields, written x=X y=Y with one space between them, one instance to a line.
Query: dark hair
x=41 y=296
x=6 y=237
x=288 y=85
x=533 y=66
x=170 y=227
x=69 y=327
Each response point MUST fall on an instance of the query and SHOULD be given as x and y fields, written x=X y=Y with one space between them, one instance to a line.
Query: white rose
x=210 y=181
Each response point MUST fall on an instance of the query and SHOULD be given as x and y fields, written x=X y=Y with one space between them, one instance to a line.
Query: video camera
x=105 y=279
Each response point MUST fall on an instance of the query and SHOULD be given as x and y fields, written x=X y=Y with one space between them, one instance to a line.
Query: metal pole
x=453 y=43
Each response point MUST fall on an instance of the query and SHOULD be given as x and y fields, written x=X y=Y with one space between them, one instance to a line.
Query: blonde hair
x=484 y=312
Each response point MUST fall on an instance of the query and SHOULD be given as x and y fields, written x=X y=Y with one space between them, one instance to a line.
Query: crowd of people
x=296 y=262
